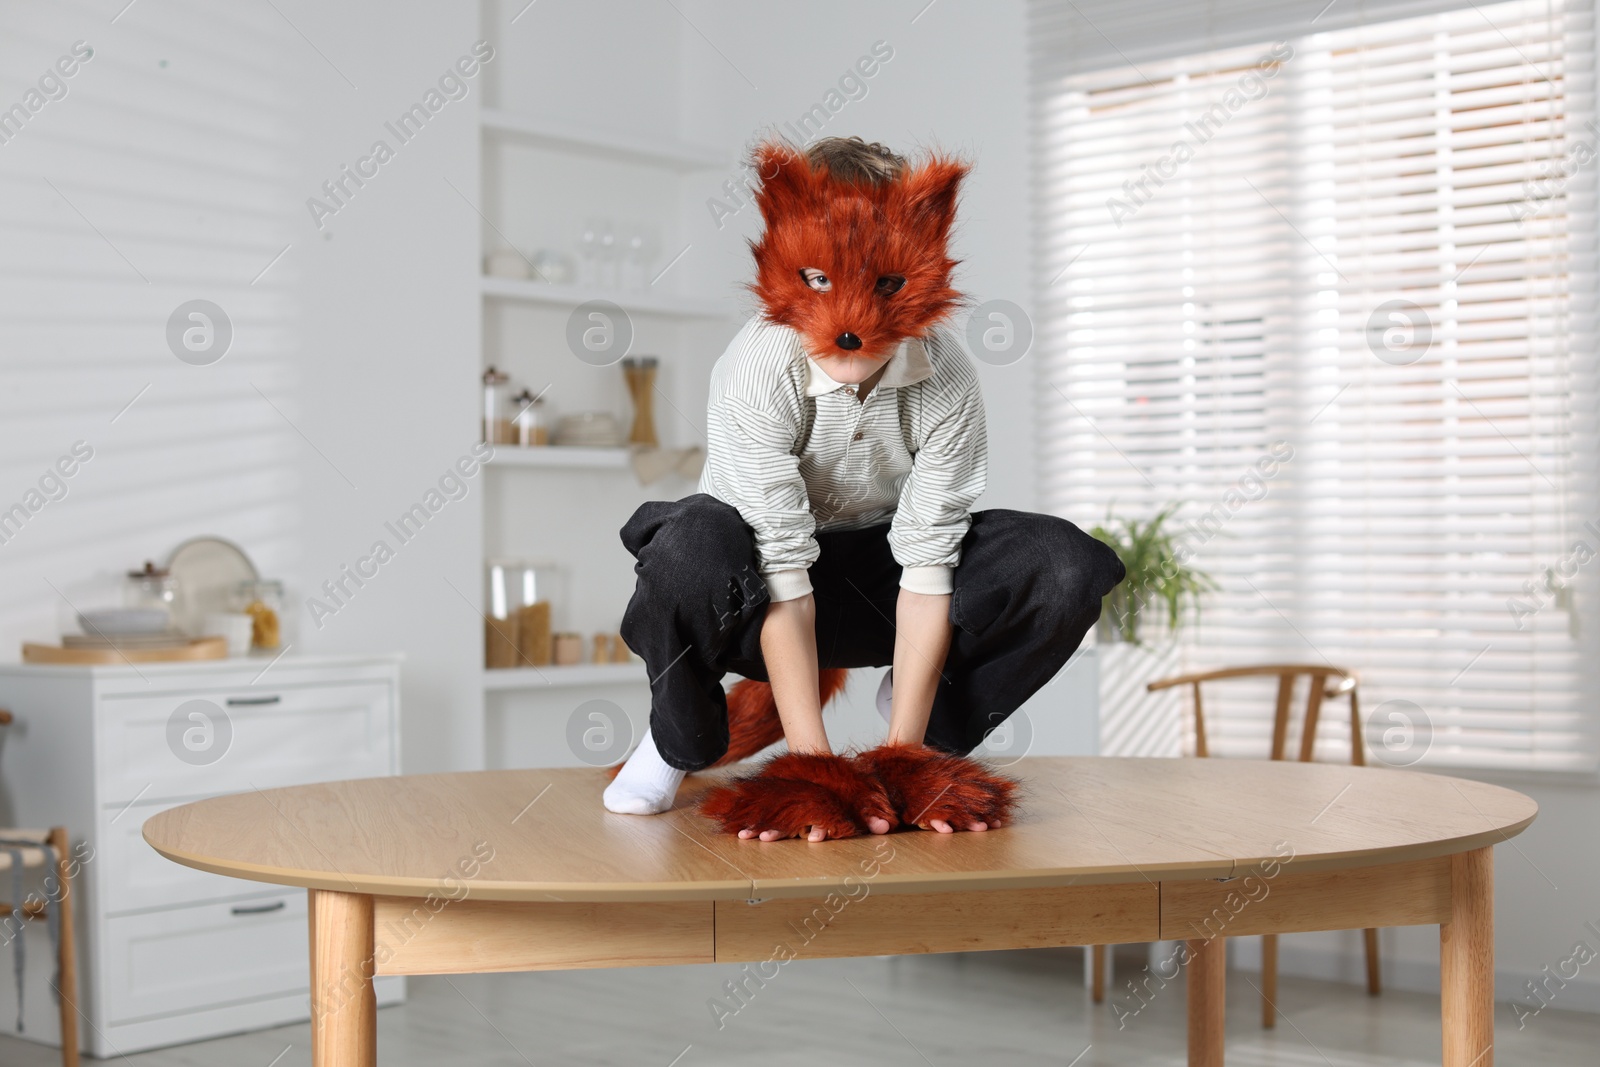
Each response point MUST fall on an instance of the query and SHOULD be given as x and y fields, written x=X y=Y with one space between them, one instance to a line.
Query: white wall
x=177 y=167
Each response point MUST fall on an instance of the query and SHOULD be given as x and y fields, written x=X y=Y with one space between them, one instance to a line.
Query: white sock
x=646 y=785
x=886 y=695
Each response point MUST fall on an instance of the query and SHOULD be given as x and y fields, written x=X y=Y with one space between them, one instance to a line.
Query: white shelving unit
x=581 y=674
x=527 y=708
x=657 y=152
x=686 y=307
x=560 y=457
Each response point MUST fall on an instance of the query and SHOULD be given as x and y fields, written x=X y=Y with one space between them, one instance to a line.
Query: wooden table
x=524 y=870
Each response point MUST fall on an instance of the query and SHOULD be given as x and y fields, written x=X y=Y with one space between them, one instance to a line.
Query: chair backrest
x=1325 y=681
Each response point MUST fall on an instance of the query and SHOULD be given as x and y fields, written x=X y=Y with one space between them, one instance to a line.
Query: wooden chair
x=1324 y=681
x=35 y=910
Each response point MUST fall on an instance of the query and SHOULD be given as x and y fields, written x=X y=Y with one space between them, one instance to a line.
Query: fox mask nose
x=848 y=341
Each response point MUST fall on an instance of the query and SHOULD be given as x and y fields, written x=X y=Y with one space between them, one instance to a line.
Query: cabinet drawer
x=188 y=959
x=135 y=877
x=204 y=742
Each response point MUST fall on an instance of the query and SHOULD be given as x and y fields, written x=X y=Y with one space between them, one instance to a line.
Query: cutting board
x=199 y=648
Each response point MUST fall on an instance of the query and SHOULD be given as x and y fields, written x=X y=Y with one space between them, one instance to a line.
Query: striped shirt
x=797 y=452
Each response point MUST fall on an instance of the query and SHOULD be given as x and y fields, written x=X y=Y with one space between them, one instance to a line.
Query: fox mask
x=881 y=251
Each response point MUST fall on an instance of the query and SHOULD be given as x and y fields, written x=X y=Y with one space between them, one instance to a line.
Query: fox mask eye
x=815 y=279
x=887 y=285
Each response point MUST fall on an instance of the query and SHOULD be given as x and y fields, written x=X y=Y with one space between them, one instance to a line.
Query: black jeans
x=1026 y=592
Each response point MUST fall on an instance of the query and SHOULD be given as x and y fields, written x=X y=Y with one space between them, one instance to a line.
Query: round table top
x=543 y=834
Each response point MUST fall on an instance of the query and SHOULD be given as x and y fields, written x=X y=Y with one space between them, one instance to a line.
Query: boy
x=833 y=526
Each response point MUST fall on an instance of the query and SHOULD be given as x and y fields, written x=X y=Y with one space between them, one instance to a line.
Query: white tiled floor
x=1002 y=1008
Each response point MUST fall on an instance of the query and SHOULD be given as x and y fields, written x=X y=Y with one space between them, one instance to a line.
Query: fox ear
x=787 y=180
x=930 y=193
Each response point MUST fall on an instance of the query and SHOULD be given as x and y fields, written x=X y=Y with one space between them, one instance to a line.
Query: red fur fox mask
x=881 y=250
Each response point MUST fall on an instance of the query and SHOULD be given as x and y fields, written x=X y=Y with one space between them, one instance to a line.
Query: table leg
x=344 y=1008
x=1466 y=962
x=1269 y=981
x=1207 y=981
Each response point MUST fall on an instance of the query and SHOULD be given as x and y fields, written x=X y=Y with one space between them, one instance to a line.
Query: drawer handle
x=235 y=702
x=259 y=909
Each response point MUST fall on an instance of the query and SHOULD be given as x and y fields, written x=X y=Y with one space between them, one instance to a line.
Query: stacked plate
x=125 y=628
x=589 y=429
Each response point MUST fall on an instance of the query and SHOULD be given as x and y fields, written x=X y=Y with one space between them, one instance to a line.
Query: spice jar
x=532 y=427
x=262 y=600
x=152 y=587
x=497 y=429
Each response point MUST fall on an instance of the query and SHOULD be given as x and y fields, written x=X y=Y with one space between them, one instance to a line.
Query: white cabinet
x=170 y=954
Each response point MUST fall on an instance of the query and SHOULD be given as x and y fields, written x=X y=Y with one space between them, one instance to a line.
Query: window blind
x=1333 y=296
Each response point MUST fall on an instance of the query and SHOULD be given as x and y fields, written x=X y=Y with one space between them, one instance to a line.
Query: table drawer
x=188 y=959
x=204 y=742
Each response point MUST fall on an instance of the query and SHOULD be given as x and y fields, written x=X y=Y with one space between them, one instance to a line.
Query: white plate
x=113 y=622
x=208 y=570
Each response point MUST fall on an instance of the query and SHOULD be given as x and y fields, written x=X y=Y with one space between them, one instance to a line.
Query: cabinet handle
x=235 y=702
x=259 y=909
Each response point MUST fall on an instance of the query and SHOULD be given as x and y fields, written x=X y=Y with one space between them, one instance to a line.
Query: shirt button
x=859 y=435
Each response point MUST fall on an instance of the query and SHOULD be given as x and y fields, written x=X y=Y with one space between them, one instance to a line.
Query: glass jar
x=525 y=600
x=518 y=583
x=496 y=427
x=532 y=425
x=152 y=587
x=262 y=600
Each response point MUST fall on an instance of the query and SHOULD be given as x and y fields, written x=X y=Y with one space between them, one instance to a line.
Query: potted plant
x=1157 y=573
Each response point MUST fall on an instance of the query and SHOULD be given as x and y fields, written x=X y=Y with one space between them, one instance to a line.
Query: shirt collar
x=908 y=365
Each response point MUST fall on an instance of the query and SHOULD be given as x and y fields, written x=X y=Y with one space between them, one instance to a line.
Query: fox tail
x=753 y=722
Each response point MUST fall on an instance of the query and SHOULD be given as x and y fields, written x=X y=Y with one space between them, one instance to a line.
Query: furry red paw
x=926 y=786
x=796 y=792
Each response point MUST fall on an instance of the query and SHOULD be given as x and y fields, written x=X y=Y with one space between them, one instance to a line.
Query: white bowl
x=110 y=621
x=236 y=628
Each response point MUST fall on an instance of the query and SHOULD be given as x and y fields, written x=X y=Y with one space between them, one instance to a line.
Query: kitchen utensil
x=158 y=639
x=500 y=643
x=497 y=428
x=530 y=420
x=552 y=266
x=568 y=649
x=516 y=583
x=233 y=626
x=262 y=600
x=594 y=429
x=533 y=634
x=640 y=374
x=207 y=570
x=505 y=263
x=125 y=621
x=638 y=257
x=152 y=587
x=200 y=648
